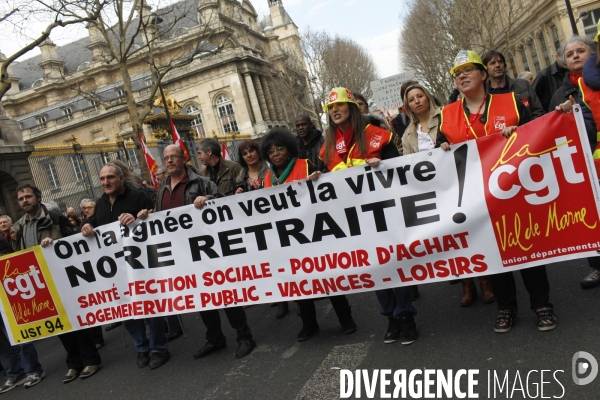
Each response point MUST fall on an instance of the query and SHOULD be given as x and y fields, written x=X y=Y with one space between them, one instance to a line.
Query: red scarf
x=574 y=78
x=343 y=141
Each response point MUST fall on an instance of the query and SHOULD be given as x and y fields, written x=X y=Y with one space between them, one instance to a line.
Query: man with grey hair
x=88 y=207
x=528 y=76
x=222 y=172
x=122 y=203
x=5 y=225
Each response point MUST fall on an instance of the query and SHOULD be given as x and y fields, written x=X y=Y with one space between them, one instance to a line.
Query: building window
x=133 y=157
x=544 y=49
x=41 y=121
x=67 y=113
x=94 y=104
x=555 y=38
x=77 y=168
x=534 y=56
x=524 y=58
x=121 y=93
x=52 y=175
x=225 y=110
x=590 y=23
x=197 y=124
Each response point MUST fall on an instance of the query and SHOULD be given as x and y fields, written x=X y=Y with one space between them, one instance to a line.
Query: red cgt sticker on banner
x=535 y=191
x=26 y=289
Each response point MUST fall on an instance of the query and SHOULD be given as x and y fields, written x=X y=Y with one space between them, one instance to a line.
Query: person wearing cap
x=350 y=142
x=470 y=119
x=500 y=82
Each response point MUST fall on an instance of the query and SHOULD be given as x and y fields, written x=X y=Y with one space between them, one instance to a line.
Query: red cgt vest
x=376 y=139
x=501 y=112
x=591 y=98
x=299 y=172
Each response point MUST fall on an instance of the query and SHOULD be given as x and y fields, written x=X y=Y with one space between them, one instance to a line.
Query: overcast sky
x=373 y=24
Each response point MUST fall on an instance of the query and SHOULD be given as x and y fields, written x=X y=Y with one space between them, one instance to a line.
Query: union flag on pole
x=177 y=140
x=224 y=152
x=152 y=165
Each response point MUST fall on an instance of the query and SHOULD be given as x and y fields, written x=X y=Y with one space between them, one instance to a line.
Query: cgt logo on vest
x=499 y=123
x=543 y=190
x=26 y=289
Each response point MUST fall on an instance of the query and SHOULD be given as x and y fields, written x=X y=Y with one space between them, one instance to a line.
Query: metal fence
x=68 y=174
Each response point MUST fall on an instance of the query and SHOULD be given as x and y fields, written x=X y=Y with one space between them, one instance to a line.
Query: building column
x=276 y=103
x=253 y=99
x=270 y=106
x=261 y=98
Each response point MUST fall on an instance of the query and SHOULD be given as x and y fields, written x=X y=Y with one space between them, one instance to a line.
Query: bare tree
x=18 y=14
x=334 y=62
x=435 y=30
x=129 y=39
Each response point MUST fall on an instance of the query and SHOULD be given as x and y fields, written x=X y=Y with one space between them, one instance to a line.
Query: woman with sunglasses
x=280 y=147
x=351 y=141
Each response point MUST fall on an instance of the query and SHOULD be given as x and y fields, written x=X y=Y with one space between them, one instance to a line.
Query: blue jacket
x=591 y=77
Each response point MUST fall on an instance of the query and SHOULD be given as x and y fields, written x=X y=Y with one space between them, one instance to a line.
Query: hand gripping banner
x=487 y=206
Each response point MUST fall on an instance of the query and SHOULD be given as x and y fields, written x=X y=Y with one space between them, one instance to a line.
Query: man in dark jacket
x=310 y=140
x=38 y=226
x=122 y=203
x=499 y=83
x=222 y=172
x=548 y=80
x=182 y=187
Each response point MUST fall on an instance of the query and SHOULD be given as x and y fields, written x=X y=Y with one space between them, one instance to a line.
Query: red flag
x=152 y=165
x=177 y=140
x=224 y=152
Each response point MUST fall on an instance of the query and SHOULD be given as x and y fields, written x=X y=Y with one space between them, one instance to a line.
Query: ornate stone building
x=538 y=29
x=235 y=90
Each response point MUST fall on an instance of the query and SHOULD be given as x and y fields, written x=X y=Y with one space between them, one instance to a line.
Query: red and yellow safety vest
x=376 y=138
x=591 y=98
x=299 y=171
x=501 y=112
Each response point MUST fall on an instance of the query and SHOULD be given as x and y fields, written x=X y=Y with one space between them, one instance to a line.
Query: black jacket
x=312 y=149
x=524 y=117
x=131 y=201
x=564 y=91
x=547 y=82
x=5 y=247
x=523 y=92
x=195 y=186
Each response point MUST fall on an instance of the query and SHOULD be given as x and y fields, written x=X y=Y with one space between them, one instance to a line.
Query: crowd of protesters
x=353 y=137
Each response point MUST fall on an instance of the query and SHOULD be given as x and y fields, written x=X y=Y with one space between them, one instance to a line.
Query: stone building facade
x=538 y=29
x=235 y=90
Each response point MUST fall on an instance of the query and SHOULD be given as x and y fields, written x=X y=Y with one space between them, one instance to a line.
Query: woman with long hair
x=280 y=147
x=421 y=133
x=350 y=141
x=253 y=167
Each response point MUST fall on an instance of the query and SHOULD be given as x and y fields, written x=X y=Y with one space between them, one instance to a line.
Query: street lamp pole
x=571 y=18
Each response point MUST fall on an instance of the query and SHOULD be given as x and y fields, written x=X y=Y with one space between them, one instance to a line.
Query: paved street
x=281 y=368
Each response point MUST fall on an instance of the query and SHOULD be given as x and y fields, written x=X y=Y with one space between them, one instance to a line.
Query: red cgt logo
x=26 y=289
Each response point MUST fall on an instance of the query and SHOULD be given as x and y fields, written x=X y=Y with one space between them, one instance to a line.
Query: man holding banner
x=40 y=226
x=182 y=187
x=122 y=203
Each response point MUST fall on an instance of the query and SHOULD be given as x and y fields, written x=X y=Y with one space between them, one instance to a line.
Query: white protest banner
x=386 y=91
x=488 y=206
